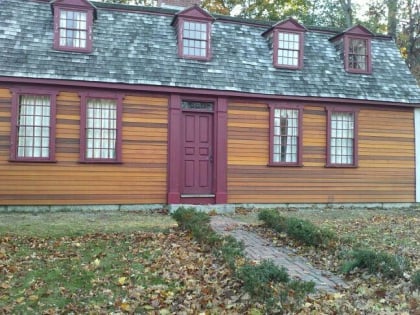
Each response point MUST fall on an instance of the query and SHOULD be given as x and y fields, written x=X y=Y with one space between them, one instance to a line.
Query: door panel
x=197 y=148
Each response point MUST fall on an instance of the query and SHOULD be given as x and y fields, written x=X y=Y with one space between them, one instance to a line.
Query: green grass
x=64 y=262
x=57 y=224
x=58 y=272
x=383 y=229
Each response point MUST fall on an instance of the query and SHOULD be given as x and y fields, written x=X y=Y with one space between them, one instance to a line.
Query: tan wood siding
x=386 y=171
x=140 y=179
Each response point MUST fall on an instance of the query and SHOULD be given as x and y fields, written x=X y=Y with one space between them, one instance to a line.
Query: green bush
x=188 y=218
x=301 y=230
x=415 y=280
x=262 y=283
x=258 y=279
x=230 y=250
x=308 y=233
x=273 y=220
x=198 y=224
x=390 y=266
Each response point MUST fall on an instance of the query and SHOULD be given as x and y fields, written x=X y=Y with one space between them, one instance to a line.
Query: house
x=124 y=107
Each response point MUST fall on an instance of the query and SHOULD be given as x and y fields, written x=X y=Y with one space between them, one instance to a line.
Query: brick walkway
x=257 y=248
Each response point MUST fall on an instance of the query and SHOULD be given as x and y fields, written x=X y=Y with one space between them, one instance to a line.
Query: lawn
x=108 y=262
x=136 y=262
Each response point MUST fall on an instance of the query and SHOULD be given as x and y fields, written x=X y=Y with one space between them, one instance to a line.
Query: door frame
x=175 y=156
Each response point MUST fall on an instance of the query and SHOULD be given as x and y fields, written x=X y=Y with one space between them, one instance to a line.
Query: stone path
x=257 y=248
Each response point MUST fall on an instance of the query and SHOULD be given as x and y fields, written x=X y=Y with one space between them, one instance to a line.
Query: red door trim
x=175 y=154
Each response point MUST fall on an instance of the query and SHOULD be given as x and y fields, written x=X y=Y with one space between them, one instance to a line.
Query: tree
x=348 y=12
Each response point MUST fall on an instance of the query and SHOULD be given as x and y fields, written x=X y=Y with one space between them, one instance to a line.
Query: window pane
x=194 y=36
x=285 y=135
x=101 y=129
x=342 y=138
x=288 y=49
x=358 y=54
x=33 y=126
x=73 y=29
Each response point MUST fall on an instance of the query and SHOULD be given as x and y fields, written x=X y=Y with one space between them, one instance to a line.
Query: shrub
x=302 y=230
x=258 y=279
x=390 y=266
x=198 y=224
x=188 y=218
x=230 y=250
x=308 y=233
x=415 y=280
x=273 y=220
x=262 y=283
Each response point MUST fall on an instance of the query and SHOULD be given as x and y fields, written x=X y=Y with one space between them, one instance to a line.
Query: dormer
x=73 y=22
x=355 y=48
x=193 y=27
x=287 y=40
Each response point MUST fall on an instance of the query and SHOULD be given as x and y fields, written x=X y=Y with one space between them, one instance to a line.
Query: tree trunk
x=392 y=17
x=348 y=12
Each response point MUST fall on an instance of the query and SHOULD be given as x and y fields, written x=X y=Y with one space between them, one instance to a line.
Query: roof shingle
x=134 y=46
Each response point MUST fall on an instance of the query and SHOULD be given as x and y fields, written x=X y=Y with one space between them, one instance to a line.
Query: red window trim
x=272 y=107
x=16 y=93
x=346 y=40
x=83 y=107
x=355 y=111
x=181 y=54
x=276 y=49
x=89 y=28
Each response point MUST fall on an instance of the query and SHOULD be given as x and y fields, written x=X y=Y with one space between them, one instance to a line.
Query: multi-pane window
x=195 y=39
x=342 y=136
x=358 y=55
x=288 y=49
x=285 y=137
x=101 y=129
x=32 y=120
x=73 y=29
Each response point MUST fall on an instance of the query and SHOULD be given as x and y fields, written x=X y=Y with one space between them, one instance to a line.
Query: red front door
x=197 y=172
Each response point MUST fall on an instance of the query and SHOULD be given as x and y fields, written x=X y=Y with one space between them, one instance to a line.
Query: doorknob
x=211 y=158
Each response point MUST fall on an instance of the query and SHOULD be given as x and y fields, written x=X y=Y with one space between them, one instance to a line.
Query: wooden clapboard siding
x=386 y=159
x=140 y=179
x=5 y=113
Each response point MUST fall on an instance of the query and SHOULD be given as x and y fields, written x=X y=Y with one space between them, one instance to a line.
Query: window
x=358 y=55
x=342 y=138
x=287 y=43
x=285 y=135
x=288 y=51
x=101 y=129
x=193 y=30
x=194 y=39
x=73 y=21
x=355 y=45
x=33 y=123
x=73 y=29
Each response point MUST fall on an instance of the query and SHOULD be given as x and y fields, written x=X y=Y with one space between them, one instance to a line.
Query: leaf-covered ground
x=136 y=263
x=395 y=232
x=138 y=272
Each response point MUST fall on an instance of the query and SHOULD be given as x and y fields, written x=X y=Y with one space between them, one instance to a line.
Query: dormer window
x=288 y=50
x=194 y=33
x=358 y=56
x=73 y=29
x=287 y=42
x=195 y=39
x=355 y=46
x=73 y=21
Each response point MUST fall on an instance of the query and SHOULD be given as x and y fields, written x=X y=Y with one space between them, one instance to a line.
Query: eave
x=73 y=85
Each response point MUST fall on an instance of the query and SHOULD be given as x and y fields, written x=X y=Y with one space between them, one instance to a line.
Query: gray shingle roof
x=138 y=47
